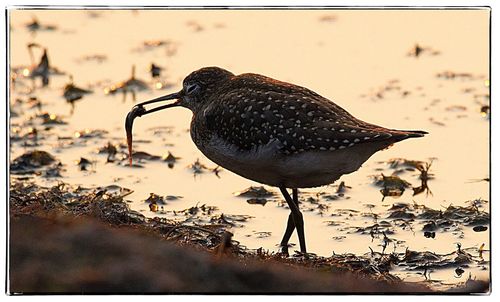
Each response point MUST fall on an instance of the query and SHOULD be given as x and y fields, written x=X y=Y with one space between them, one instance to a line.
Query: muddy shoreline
x=88 y=241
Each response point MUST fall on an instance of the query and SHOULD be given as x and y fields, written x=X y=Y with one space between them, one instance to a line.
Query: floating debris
x=480 y=228
x=392 y=185
x=428 y=234
x=35 y=26
x=114 y=191
x=90 y=133
x=330 y=197
x=402 y=164
x=203 y=209
x=450 y=75
x=132 y=85
x=477 y=203
x=34 y=159
x=481 y=250
x=436 y=122
x=141 y=155
x=401 y=214
x=170 y=159
x=73 y=93
x=322 y=208
x=395 y=163
x=375 y=229
x=485 y=111
x=153 y=207
x=197 y=167
x=216 y=171
x=18 y=134
x=83 y=163
x=36 y=162
x=456 y=108
x=51 y=119
x=422 y=188
x=195 y=26
x=173 y=197
x=98 y=58
x=450 y=219
x=151 y=45
x=328 y=18
x=255 y=192
x=342 y=188
x=430 y=226
x=53 y=171
x=459 y=272
x=261 y=201
x=155 y=70
x=34 y=102
x=417 y=50
x=229 y=219
x=155 y=199
x=339 y=238
x=424 y=171
x=41 y=69
x=391 y=89
x=110 y=150
x=262 y=234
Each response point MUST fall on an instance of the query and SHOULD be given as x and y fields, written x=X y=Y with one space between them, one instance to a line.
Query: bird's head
x=196 y=89
x=200 y=84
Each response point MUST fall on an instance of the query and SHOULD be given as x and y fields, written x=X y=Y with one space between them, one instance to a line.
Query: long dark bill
x=139 y=110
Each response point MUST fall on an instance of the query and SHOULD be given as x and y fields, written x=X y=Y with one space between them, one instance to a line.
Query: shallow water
x=357 y=58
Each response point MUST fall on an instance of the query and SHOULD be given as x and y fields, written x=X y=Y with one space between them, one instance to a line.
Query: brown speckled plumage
x=249 y=110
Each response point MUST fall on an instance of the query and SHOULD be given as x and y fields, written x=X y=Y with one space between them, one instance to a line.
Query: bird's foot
x=284 y=249
x=304 y=255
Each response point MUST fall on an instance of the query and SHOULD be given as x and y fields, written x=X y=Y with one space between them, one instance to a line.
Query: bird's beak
x=173 y=96
x=139 y=110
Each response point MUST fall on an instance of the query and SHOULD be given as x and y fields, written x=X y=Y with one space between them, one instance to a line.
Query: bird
x=273 y=132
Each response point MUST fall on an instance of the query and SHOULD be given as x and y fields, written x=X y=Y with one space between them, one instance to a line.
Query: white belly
x=307 y=169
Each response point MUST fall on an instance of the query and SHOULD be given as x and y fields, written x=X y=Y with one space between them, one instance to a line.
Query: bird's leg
x=296 y=215
x=290 y=226
x=299 y=223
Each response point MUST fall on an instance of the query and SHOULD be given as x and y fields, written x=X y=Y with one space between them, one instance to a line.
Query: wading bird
x=273 y=132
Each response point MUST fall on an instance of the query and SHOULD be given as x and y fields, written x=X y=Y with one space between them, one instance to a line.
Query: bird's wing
x=251 y=114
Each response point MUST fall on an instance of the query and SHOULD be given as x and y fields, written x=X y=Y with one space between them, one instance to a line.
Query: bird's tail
x=400 y=135
x=414 y=133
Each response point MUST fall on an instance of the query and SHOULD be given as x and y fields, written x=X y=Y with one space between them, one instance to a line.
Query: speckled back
x=250 y=110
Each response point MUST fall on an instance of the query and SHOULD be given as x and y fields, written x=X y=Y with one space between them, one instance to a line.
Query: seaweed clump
x=106 y=204
x=36 y=162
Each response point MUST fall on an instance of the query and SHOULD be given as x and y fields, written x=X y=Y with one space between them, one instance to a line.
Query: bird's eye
x=192 y=88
